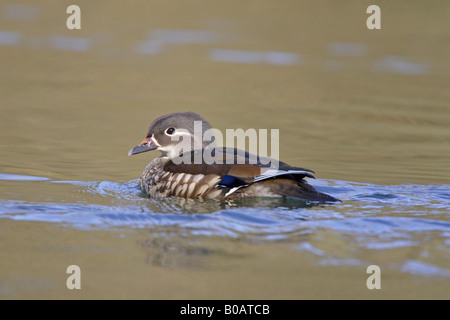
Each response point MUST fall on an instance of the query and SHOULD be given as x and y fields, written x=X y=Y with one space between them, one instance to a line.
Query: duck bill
x=146 y=145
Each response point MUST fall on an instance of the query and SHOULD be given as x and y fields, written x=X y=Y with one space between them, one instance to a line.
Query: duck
x=191 y=166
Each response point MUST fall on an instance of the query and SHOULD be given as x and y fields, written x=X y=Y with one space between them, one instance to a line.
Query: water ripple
x=370 y=219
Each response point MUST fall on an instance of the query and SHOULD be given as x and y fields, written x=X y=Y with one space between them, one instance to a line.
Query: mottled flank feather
x=163 y=177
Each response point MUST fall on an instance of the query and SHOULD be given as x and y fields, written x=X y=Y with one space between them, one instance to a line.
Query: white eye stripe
x=177 y=132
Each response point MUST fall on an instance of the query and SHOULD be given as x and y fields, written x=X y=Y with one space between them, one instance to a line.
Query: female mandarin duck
x=191 y=168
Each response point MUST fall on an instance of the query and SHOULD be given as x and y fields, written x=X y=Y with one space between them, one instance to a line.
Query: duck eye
x=170 y=131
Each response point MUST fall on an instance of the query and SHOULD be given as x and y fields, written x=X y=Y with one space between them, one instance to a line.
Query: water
x=366 y=110
x=404 y=229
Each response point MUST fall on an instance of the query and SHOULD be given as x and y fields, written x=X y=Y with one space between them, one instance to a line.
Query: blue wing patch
x=231 y=182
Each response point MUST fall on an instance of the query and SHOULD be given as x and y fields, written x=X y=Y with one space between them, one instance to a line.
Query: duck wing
x=230 y=169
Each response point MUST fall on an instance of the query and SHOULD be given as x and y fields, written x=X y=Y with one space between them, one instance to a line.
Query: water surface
x=366 y=110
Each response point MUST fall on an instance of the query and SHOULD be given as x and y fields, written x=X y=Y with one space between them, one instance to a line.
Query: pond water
x=367 y=110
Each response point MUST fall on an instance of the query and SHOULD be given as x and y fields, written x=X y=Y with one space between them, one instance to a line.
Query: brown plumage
x=222 y=173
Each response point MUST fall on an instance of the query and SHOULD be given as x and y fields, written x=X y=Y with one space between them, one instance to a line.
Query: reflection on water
x=160 y=41
x=173 y=252
x=20 y=12
x=15 y=177
x=371 y=218
x=10 y=38
x=70 y=43
x=160 y=38
x=399 y=65
x=252 y=57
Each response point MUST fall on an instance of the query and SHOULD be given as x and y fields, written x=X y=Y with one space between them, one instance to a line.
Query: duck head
x=174 y=134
